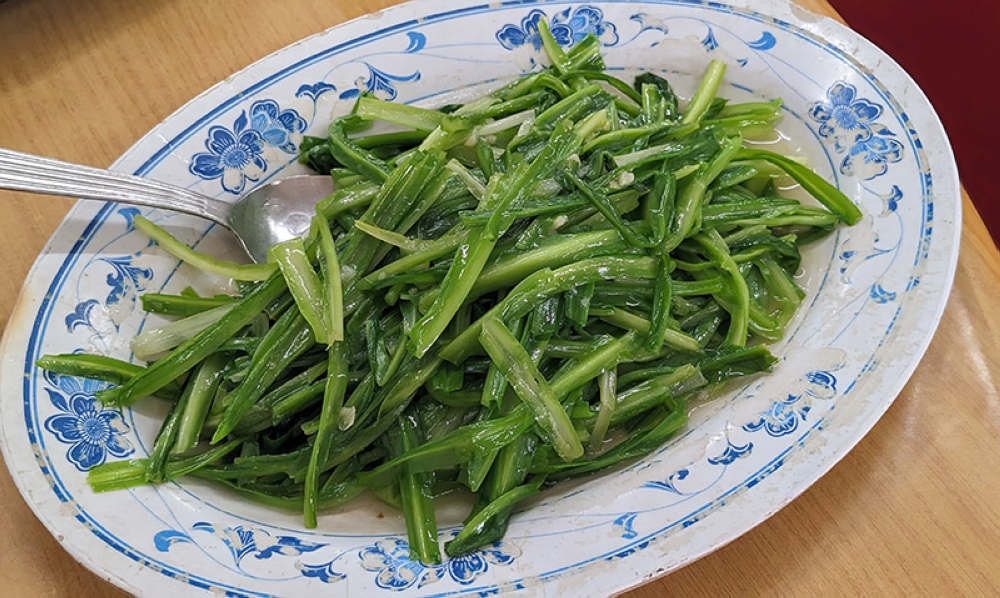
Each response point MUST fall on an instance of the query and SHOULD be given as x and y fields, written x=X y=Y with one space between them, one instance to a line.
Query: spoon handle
x=35 y=174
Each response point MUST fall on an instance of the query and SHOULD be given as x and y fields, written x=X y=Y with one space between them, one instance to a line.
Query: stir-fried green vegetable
x=520 y=289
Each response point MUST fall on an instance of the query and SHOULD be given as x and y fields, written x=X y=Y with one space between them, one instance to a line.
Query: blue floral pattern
x=126 y=279
x=648 y=22
x=324 y=572
x=880 y=295
x=871 y=158
x=850 y=122
x=236 y=155
x=784 y=415
x=251 y=552
x=380 y=83
x=81 y=315
x=669 y=484
x=390 y=559
x=709 y=41
x=766 y=42
x=625 y=524
x=92 y=431
x=241 y=541
x=276 y=126
x=568 y=27
x=731 y=453
x=417 y=42
x=890 y=200
x=314 y=90
x=781 y=418
x=233 y=156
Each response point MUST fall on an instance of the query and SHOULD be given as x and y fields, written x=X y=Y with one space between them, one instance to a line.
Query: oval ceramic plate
x=875 y=295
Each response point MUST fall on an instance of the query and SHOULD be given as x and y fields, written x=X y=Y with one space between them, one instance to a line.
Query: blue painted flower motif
x=276 y=126
x=389 y=558
x=511 y=36
x=233 y=156
x=568 y=27
x=587 y=20
x=780 y=419
x=784 y=415
x=236 y=156
x=845 y=117
x=92 y=431
x=850 y=122
x=871 y=157
x=466 y=568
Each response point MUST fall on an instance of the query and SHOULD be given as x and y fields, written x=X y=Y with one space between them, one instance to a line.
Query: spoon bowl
x=271 y=213
x=277 y=211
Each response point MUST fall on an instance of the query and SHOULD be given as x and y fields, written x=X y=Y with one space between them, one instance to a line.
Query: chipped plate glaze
x=875 y=294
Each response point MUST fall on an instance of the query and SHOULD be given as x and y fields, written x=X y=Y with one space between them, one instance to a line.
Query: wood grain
x=911 y=511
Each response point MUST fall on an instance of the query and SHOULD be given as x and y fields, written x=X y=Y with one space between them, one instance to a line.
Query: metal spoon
x=267 y=215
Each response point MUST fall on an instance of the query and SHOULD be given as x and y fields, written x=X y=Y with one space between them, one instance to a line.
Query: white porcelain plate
x=875 y=294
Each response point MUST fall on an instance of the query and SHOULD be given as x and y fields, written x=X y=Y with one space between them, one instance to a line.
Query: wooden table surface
x=913 y=510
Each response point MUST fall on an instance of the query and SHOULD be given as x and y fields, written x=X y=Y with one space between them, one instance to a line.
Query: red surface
x=951 y=49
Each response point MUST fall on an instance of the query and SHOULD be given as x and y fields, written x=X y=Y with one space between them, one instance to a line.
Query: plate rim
x=23 y=300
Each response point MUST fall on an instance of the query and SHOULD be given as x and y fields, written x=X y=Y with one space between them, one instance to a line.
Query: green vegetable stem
x=499 y=295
